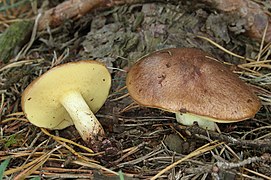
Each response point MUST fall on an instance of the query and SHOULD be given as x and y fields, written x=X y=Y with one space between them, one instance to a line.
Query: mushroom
x=69 y=94
x=190 y=83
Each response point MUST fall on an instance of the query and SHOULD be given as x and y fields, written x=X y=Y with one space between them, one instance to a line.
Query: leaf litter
x=147 y=143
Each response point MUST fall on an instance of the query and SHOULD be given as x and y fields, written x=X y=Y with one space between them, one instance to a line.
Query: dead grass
x=138 y=135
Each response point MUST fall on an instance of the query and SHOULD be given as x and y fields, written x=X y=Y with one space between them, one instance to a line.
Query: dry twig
x=255 y=144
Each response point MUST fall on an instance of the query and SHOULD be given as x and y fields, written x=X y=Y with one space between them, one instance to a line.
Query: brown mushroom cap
x=187 y=80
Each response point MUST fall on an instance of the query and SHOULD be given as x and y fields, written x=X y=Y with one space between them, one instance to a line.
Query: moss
x=13 y=38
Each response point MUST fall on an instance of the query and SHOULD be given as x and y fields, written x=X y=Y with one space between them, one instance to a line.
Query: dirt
x=118 y=37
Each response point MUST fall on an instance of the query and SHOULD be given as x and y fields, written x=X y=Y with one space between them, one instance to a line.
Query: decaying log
x=74 y=9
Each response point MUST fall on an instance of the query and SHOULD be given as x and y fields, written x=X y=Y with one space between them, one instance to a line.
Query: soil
x=140 y=141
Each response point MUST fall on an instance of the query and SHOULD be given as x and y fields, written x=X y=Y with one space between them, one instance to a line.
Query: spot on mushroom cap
x=41 y=99
x=187 y=80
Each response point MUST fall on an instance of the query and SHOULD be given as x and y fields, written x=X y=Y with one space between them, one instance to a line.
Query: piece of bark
x=13 y=38
x=256 y=19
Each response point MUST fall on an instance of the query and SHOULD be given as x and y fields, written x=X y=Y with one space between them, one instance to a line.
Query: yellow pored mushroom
x=69 y=94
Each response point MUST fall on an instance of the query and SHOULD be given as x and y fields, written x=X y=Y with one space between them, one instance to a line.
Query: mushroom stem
x=83 y=118
x=189 y=119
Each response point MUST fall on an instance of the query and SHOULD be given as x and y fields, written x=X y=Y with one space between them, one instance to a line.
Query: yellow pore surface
x=41 y=99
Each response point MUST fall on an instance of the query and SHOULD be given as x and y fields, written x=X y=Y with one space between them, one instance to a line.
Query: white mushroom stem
x=83 y=118
x=189 y=119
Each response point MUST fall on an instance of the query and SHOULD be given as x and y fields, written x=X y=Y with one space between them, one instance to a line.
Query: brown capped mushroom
x=69 y=94
x=188 y=82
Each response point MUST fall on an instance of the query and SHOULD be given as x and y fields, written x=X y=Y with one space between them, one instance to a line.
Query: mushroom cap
x=41 y=99
x=188 y=80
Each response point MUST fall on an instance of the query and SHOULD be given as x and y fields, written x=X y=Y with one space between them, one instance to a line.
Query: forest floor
x=142 y=142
